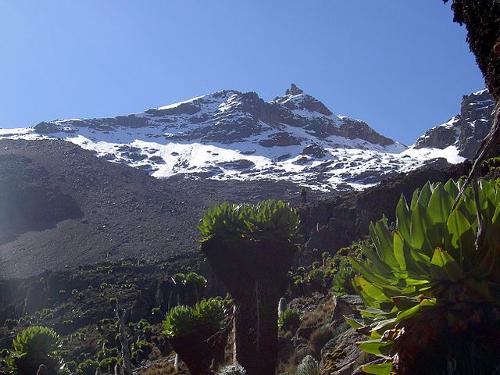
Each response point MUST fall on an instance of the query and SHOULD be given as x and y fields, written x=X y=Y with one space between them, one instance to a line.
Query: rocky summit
x=231 y=135
x=464 y=131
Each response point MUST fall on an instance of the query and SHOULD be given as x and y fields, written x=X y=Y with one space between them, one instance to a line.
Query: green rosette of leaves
x=431 y=286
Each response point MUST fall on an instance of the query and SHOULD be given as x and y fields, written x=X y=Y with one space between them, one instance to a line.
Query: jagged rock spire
x=294 y=90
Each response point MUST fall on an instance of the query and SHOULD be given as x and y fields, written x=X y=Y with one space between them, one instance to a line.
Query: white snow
x=450 y=153
x=175 y=105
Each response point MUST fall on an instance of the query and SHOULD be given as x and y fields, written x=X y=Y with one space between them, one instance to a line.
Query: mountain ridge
x=232 y=135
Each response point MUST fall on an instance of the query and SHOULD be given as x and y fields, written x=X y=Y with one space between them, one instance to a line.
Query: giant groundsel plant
x=33 y=347
x=250 y=248
x=432 y=286
x=198 y=333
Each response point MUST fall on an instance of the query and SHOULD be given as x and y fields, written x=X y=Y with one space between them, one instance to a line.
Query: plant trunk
x=256 y=322
x=255 y=275
x=199 y=349
x=194 y=352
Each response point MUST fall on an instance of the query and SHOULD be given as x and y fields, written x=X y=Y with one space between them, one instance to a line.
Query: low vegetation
x=34 y=347
x=430 y=284
x=289 y=320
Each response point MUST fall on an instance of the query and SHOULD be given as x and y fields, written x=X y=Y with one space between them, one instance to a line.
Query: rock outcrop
x=466 y=130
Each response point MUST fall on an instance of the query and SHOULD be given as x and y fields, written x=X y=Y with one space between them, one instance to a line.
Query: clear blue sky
x=402 y=66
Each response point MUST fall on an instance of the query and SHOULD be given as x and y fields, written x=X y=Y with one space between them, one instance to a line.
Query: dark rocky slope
x=467 y=129
x=61 y=206
x=335 y=223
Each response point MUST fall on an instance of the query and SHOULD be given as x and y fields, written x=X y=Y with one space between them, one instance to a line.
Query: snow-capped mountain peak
x=237 y=135
x=300 y=103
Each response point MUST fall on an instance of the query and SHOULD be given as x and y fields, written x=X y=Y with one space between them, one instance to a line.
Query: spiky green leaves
x=34 y=346
x=207 y=315
x=37 y=341
x=264 y=220
x=429 y=260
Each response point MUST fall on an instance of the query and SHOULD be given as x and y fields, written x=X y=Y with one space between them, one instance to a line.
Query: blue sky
x=402 y=66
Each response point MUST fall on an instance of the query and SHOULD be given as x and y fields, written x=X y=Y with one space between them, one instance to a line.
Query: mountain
x=464 y=131
x=76 y=191
x=230 y=135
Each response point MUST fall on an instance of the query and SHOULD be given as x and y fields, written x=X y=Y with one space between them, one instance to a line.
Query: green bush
x=35 y=346
x=491 y=165
x=71 y=366
x=108 y=364
x=432 y=295
x=343 y=278
x=107 y=353
x=316 y=277
x=264 y=220
x=140 y=350
x=209 y=314
x=289 y=320
x=192 y=279
x=87 y=367
x=143 y=324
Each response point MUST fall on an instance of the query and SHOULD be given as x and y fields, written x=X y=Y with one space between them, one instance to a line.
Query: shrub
x=343 y=278
x=143 y=324
x=141 y=350
x=192 y=279
x=107 y=353
x=433 y=296
x=35 y=346
x=71 y=366
x=289 y=320
x=178 y=321
x=108 y=364
x=182 y=320
x=197 y=333
x=87 y=367
x=316 y=277
x=268 y=219
x=232 y=370
x=492 y=165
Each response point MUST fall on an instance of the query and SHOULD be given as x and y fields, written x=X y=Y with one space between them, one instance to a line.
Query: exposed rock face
x=353 y=129
x=466 y=130
x=341 y=355
x=307 y=102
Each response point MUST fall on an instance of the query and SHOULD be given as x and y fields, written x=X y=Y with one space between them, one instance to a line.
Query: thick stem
x=257 y=332
x=256 y=278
